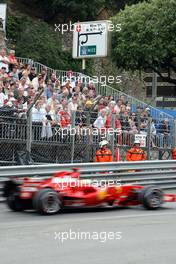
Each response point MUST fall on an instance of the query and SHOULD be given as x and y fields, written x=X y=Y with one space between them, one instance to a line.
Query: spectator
x=38 y=82
x=124 y=118
x=153 y=133
x=12 y=60
x=164 y=133
x=53 y=102
x=64 y=93
x=117 y=107
x=38 y=112
x=143 y=125
x=44 y=75
x=133 y=124
x=49 y=89
x=4 y=61
x=101 y=120
x=80 y=119
x=65 y=118
x=2 y=97
x=14 y=74
x=24 y=83
x=32 y=74
x=47 y=123
x=53 y=78
x=73 y=104
x=3 y=74
x=21 y=103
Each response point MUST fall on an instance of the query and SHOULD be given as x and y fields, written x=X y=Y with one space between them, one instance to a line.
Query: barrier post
x=112 y=134
x=149 y=138
x=29 y=130
x=73 y=117
x=174 y=135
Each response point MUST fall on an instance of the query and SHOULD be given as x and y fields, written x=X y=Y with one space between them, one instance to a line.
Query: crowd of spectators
x=20 y=84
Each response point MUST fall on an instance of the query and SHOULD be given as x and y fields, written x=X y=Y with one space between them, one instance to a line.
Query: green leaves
x=148 y=35
x=38 y=41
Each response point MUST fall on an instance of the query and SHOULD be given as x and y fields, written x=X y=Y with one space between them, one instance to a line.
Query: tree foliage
x=38 y=41
x=120 y=4
x=77 y=10
x=68 y=9
x=147 y=39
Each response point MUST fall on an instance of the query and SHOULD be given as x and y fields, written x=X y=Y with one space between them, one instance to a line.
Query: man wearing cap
x=136 y=153
x=103 y=154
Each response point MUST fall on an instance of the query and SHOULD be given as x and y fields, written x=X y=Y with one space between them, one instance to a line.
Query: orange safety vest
x=135 y=154
x=174 y=154
x=103 y=155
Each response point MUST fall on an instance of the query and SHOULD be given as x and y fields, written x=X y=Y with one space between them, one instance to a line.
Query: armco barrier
x=161 y=173
x=89 y=168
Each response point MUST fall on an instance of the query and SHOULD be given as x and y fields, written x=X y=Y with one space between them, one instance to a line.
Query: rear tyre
x=14 y=202
x=47 y=202
x=151 y=197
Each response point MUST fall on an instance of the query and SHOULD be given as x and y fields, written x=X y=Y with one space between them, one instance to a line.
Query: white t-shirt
x=2 y=98
x=99 y=122
x=38 y=115
x=72 y=107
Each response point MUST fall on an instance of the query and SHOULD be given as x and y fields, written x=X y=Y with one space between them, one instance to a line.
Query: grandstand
x=71 y=100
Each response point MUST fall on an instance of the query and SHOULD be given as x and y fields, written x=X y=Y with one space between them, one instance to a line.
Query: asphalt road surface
x=108 y=236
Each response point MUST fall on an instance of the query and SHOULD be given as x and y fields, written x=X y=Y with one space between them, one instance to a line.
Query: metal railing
x=49 y=142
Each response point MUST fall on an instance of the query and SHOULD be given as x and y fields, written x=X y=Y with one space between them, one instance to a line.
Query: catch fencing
x=50 y=142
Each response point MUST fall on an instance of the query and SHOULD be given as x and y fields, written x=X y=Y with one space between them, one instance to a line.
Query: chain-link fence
x=76 y=138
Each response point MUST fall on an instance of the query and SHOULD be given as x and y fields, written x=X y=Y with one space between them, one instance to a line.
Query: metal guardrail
x=161 y=173
x=89 y=168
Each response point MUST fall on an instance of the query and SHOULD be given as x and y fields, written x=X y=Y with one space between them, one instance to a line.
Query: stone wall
x=2 y=39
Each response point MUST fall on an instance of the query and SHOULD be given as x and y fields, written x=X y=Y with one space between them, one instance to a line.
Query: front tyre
x=151 y=197
x=47 y=202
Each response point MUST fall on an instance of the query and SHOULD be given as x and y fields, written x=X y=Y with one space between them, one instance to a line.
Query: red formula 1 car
x=66 y=189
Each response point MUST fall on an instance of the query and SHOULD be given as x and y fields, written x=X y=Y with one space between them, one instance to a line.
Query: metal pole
x=83 y=65
x=89 y=137
x=112 y=135
x=154 y=86
x=174 y=135
x=73 y=116
x=29 y=121
x=29 y=130
x=149 y=138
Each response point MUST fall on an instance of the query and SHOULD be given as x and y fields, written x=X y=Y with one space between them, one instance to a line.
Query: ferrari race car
x=67 y=190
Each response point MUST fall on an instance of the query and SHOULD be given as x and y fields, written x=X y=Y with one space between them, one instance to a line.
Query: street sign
x=142 y=139
x=91 y=39
x=88 y=50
